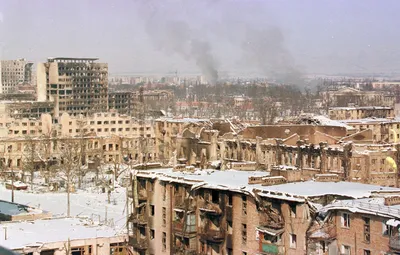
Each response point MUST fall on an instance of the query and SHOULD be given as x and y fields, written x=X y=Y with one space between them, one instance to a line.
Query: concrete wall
x=41 y=82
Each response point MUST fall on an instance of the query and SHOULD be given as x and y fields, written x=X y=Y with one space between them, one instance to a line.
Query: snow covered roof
x=325 y=121
x=8 y=208
x=225 y=180
x=370 y=121
x=316 y=189
x=238 y=181
x=375 y=206
x=36 y=233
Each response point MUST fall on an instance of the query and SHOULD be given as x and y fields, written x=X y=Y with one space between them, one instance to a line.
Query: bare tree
x=29 y=157
x=81 y=170
x=69 y=162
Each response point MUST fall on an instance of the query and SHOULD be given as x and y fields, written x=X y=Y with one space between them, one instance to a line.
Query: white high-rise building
x=14 y=73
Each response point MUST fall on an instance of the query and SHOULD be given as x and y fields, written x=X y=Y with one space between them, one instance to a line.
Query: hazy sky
x=249 y=35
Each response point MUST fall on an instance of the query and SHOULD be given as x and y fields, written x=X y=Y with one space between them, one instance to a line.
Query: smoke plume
x=177 y=37
x=264 y=48
x=177 y=27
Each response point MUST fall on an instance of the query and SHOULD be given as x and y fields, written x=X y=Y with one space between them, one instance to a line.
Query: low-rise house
x=63 y=235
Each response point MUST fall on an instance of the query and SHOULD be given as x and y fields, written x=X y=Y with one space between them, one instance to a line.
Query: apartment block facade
x=195 y=213
x=76 y=85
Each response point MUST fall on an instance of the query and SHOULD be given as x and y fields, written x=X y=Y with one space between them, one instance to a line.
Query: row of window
x=99 y=130
x=345 y=223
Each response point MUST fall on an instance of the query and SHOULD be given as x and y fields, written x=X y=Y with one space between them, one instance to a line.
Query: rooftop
x=36 y=233
x=8 y=208
x=370 y=120
x=374 y=206
x=238 y=181
x=60 y=59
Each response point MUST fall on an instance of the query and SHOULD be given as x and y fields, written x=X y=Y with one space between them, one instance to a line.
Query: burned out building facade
x=233 y=212
x=298 y=152
x=76 y=85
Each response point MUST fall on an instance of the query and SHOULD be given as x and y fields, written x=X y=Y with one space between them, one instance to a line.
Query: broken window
x=345 y=220
x=346 y=250
x=164 y=241
x=367 y=234
x=244 y=233
x=152 y=210
x=293 y=241
x=164 y=216
x=244 y=204
x=293 y=210
x=152 y=234
x=164 y=188
x=215 y=196
x=78 y=251
x=367 y=252
x=386 y=229
x=47 y=252
x=230 y=199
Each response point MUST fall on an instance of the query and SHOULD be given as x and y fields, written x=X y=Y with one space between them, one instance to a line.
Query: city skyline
x=314 y=37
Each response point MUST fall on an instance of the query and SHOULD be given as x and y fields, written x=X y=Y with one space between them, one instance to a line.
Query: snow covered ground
x=91 y=203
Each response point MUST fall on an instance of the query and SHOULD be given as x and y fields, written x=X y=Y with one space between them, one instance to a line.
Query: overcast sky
x=247 y=35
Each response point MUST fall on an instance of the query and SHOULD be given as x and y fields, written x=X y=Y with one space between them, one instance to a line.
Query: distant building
x=347 y=96
x=385 y=84
x=129 y=102
x=352 y=113
x=76 y=85
x=14 y=73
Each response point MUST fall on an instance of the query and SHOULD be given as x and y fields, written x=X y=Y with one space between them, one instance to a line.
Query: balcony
x=269 y=248
x=211 y=208
x=138 y=243
x=179 y=202
x=394 y=243
x=212 y=235
x=327 y=232
x=179 y=228
x=142 y=194
x=139 y=219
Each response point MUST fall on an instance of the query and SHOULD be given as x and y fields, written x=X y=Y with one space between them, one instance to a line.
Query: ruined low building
x=63 y=236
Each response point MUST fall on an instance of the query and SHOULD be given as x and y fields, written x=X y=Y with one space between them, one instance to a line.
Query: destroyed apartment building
x=75 y=85
x=251 y=212
x=298 y=152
